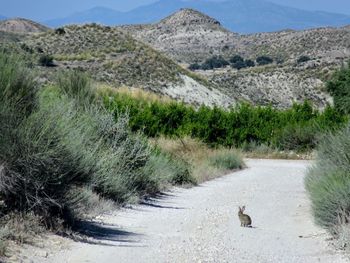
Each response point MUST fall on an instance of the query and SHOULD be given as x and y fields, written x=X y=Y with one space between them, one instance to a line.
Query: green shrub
x=87 y=204
x=339 y=88
x=46 y=61
x=264 y=60
x=77 y=85
x=194 y=66
x=227 y=160
x=214 y=62
x=43 y=163
x=239 y=65
x=26 y=48
x=299 y=137
x=330 y=198
x=60 y=31
x=303 y=59
x=249 y=63
x=169 y=169
x=328 y=182
x=238 y=62
x=235 y=59
x=17 y=87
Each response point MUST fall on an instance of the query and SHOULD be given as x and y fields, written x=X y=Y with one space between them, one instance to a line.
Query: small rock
x=13 y=259
x=43 y=254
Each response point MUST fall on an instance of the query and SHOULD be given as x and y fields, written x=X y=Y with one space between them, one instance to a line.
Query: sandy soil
x=201 y=224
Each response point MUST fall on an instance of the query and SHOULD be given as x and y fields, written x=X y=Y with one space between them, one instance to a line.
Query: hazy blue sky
x=49 y=9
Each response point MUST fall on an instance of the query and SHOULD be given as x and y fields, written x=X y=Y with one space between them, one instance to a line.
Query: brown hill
x=21 y=25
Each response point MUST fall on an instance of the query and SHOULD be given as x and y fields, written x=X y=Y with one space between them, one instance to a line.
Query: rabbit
x=246 y=221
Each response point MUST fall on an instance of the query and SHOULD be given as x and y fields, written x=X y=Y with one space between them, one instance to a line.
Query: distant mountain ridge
x=242 y=16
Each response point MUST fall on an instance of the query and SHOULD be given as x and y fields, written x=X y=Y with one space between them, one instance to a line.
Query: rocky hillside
x=272 y=85
x=287 y=79
x=186 y=36
x=189 y=36
x=21 y=25
x=329 y=44
x=113 y=56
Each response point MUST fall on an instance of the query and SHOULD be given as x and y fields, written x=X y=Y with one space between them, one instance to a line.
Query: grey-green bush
x=328 y=181
x=168 y=170
x=59 y=140
x=228 y=160
x=339 y=88
x=298 y=137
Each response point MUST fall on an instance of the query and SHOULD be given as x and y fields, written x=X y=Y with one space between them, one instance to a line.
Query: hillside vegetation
x=113 y=56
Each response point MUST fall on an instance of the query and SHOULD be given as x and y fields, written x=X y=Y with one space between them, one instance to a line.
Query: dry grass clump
x=21 y=228
x=263 y=151
x=207 y=163
x=135 y=93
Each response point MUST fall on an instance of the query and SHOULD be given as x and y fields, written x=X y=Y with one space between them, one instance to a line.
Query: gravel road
x=201 y=224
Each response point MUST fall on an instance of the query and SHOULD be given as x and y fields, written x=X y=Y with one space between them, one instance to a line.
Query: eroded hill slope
x=113 y=56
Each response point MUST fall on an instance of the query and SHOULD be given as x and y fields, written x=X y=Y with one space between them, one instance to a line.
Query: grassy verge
x=206 y=163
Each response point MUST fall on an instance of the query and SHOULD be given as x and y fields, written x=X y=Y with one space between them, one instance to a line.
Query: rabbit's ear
x=243 y=208
x=240 y=209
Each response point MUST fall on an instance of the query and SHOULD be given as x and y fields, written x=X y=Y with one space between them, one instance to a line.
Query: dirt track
x=201 y=224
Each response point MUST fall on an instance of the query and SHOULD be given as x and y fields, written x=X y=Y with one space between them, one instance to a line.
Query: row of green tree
x=296 y=128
